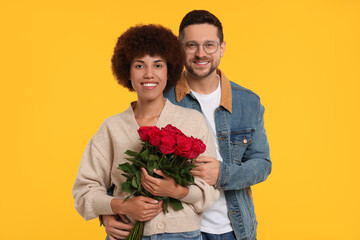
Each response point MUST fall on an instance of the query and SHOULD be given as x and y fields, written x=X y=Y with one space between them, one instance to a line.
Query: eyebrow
x=156 y=61
x=201 y=42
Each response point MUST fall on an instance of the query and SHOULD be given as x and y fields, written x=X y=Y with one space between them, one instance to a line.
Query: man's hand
x=139 y=208
x=117 y=226
x=206 y=168
x=163 y=187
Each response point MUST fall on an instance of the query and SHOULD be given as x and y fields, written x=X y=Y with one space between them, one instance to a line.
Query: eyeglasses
x=208 y=46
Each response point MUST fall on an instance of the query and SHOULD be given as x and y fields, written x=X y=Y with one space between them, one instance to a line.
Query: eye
x=138 y=66
x=210 y=45
x=191 y=45
x=158 y=65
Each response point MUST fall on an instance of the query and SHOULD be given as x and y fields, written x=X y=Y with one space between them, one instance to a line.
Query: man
x=235 y=115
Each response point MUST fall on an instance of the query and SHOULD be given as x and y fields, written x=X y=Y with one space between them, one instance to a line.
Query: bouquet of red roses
x=167 y=149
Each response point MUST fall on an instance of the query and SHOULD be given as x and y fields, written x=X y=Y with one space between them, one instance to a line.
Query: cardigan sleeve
x=92 y=180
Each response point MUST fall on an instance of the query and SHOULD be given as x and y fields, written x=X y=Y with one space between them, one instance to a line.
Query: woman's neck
x=147 y=113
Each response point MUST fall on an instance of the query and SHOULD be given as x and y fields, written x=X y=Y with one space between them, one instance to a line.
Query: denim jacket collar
x=182 y=89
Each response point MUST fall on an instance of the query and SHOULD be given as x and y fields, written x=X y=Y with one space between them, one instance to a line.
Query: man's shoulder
x=242 y=92
x=170 y=94
x=244 y=99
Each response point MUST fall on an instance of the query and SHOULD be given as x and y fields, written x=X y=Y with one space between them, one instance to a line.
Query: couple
x=149 y=60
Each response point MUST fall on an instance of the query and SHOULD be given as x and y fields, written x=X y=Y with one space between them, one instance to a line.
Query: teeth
x=150 y=84
x=202 y=63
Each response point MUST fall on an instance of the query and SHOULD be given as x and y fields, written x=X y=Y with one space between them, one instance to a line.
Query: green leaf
x=150 y=167
x=132 y=153
x=192 y=180
x=134 y=182
x=134 y=169
x=154 y=158
x=138 y=179
x=144 y=192
x=126 y=187
x=128 y=177
x=160 y=198
x=145 y=155
x=126 y=167
x=178 y=179
x=137 y=162
x=176 y=204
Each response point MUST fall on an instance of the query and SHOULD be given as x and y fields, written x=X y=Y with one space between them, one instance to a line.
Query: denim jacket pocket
x=239 y=141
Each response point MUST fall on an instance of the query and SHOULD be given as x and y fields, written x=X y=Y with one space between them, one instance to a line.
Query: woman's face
x=148 y=77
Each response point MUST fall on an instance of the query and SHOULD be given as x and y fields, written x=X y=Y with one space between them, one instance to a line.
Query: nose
x=148 y=73
x=200 y=51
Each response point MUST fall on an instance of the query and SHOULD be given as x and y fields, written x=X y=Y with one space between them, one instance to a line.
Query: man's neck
x=203 y=85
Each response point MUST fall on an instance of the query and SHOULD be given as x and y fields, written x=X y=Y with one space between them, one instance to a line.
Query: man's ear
x=222 y=49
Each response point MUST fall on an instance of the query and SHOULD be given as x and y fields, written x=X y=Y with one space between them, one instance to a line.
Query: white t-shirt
x=215 y=219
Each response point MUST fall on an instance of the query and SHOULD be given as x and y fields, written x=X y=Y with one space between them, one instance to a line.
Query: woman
x=148 y=60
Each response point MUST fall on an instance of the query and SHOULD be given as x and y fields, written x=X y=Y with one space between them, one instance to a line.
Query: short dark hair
x=201 y=17
x=153 y=40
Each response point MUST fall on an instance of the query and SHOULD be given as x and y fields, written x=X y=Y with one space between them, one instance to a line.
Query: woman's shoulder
x=114 y=124
x=190 y=121
x=114 y=120
x=186 y=112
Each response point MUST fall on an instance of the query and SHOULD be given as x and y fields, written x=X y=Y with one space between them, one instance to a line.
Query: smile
x=149 y=84
x=201 y=63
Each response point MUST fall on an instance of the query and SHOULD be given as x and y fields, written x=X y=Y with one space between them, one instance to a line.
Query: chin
x=150 y=98
x=200 y=74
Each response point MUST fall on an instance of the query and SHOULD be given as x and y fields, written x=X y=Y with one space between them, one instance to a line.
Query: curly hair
x=153 y=40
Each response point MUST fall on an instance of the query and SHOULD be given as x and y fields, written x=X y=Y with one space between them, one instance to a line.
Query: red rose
x=197 y=148
x=144 y=133
x=167 y=144
x=183 y=145
x=199 y=145
x=171 y=130
x=155 y=136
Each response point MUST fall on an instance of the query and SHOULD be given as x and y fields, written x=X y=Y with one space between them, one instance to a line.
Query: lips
x=149 y=85
x=201 y=62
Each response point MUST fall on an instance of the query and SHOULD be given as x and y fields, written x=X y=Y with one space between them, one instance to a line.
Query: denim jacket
x=243 y=146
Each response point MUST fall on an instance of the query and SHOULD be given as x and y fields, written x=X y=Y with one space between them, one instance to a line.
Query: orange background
x=302 y=57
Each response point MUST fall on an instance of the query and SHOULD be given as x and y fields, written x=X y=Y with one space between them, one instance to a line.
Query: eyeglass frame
x=203 y=45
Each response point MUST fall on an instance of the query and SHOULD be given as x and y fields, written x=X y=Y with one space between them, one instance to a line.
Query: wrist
x=181 y=192
x=117 y=206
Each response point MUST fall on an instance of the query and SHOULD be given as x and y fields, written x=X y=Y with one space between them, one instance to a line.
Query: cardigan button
x=160 y=225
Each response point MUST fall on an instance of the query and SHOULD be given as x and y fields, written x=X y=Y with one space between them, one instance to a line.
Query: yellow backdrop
x=301 y=56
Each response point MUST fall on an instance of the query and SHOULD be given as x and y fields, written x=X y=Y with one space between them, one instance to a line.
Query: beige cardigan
x=105 y=151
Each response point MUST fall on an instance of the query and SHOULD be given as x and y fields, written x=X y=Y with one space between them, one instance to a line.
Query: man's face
x=200 y=63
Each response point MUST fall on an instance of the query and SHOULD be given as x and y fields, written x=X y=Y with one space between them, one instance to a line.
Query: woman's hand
x=117 y=227
x=165 y=187
x=139 y=208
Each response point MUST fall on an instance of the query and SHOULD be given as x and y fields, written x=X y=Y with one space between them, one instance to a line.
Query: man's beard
x=191 y=70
